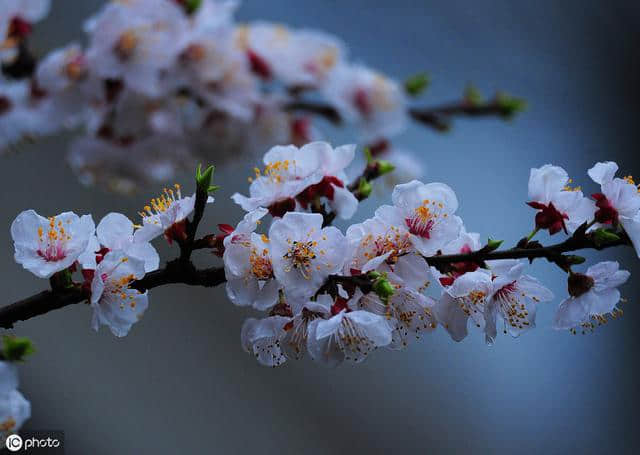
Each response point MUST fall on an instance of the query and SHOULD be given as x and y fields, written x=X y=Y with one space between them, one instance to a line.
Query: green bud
x=383 y=288
x=510 y=105
x=416 y=84
x=493 y=245
x=373 y=275
x=191 y=6
x=385 y=167
x=15 y=349
x=473 y=96
x=203 y=179
x=364 y=188
x=572 y=259
x=602 y=237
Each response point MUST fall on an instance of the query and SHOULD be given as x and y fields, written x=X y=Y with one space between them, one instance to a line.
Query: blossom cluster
x=166 y=81
x=339 y=296
x=110 y=256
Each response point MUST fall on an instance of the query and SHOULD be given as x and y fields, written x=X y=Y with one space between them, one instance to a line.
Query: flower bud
x=364 y=188
x=15 y=349
x=416 y=84
x=602 y=237
x=493 y=245
x=383 y=288
x=384 y=167
x=203 y=179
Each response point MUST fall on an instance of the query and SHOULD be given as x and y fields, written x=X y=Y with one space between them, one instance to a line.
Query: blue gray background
x=180 y=383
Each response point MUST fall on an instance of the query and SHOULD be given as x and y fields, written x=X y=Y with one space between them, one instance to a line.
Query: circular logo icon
x=13 y=442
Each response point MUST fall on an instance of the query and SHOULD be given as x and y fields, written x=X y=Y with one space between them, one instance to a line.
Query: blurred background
x=180 y=382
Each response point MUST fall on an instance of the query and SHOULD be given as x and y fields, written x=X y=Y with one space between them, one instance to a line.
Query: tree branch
x=438 y=118
x=175 y=272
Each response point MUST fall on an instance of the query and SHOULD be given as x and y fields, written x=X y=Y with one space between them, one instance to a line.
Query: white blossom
x=115 y=304
x=165 y=215
x=374 y=103
x=45 y=246
x=348 y=335
x=618 y=202
x=562 y=207
x=288 y=170
x=116 y=232
x=263 y=339
x=248 y=267
x=427 y=212
x=303 y=253
x=593 y=295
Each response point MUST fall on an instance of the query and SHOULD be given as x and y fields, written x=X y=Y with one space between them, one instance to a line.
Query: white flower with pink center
x=333 y=186
x=427 y=212
x=373 y=243
x=115 y=304
x=515 y=299
x=408 y=310
x=304 y=254
x=561 y=207
x=618 y=202
x=298 y=58
x=374 y=103
x=247 y=264
x=45 y=246
x=288 y=171
x=347 y=335
x=166 y=215
x=466 y=298
x=135 y=41
x=592 y=296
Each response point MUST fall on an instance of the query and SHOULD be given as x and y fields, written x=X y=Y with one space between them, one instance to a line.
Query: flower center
x=606 y=213
x=76 y=69
x=301 y=255
x=52 y=243
x=473 y=303
x=126 y=45
x=119 y=287
x=274 y=171
x=425 y=218
x=261 y=266
x=513 y=310
x=163 y=203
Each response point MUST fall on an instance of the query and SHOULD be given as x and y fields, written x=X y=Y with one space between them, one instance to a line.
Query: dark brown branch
x=438 y=118
x=553 y=253
x=46 y=301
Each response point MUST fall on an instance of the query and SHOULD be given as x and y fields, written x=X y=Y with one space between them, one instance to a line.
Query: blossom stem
x=187 y=247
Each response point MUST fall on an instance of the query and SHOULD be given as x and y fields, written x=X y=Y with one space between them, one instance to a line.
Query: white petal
x=114 y=231
x=603 y=172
